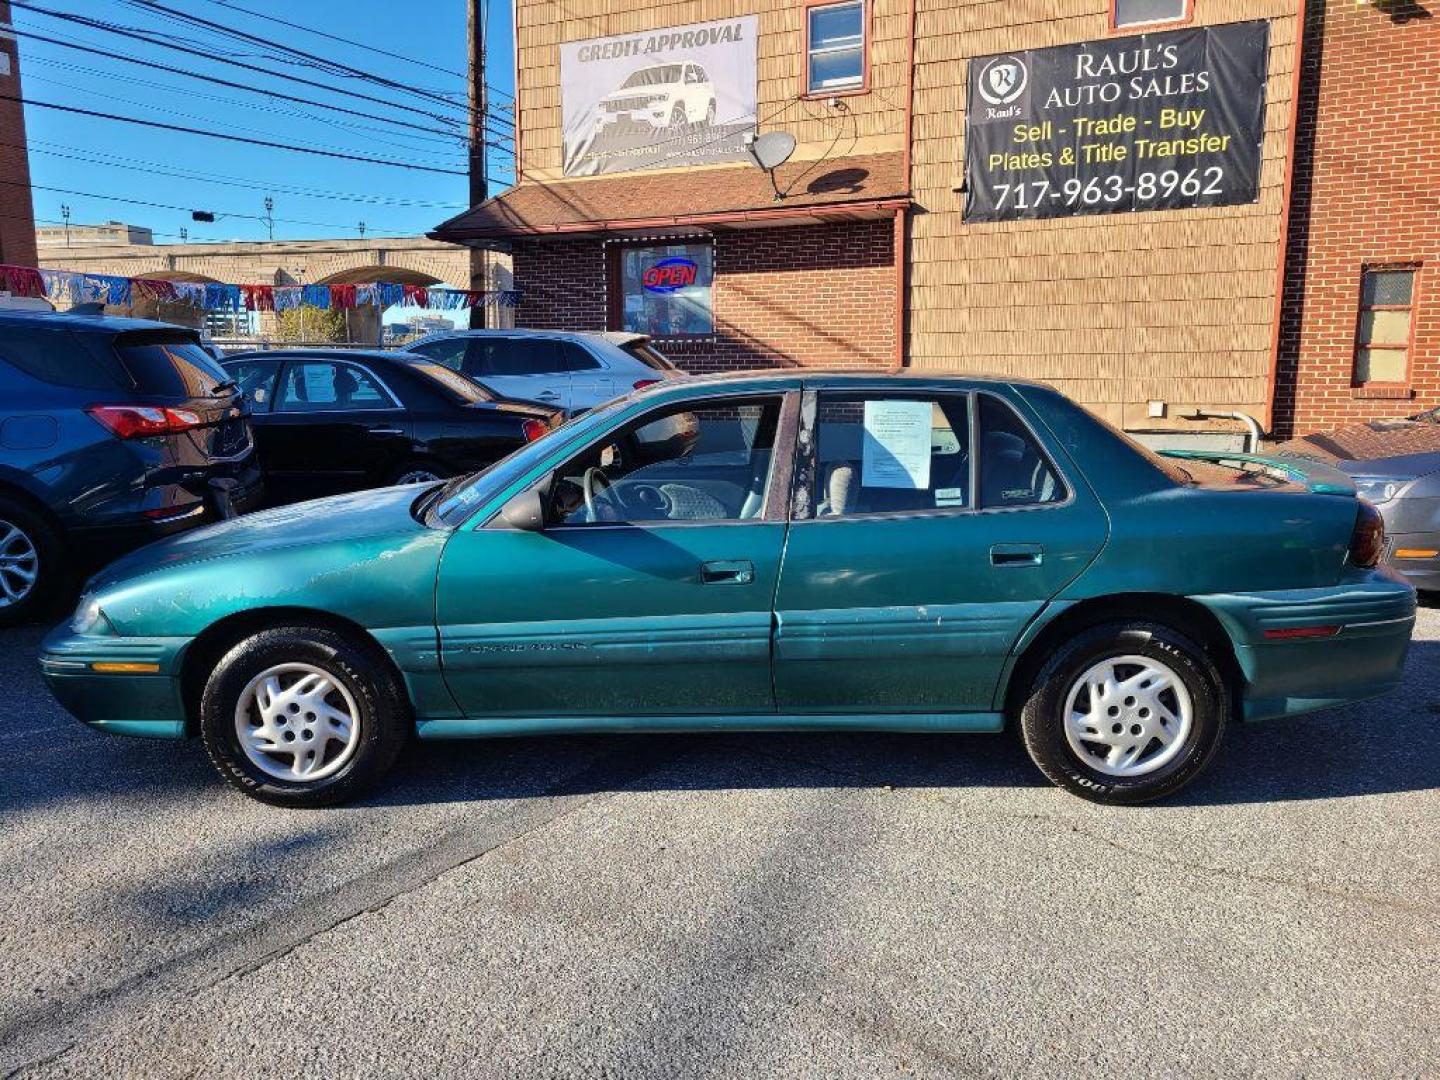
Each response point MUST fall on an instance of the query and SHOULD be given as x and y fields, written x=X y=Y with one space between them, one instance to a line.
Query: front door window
x=710 y=462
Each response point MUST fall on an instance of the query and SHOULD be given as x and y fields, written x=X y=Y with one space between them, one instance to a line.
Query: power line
x=31 y=59
x=355 y=44
x=182 y=209
x=233 y=138
x=135 y=34
x=330 y=67
x=113 y=100
x=114 y=161
x=156 y=65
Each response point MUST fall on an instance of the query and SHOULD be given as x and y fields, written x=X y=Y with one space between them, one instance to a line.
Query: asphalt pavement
x=725 y=906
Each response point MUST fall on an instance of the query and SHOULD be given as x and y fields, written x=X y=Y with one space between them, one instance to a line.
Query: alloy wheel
x=19 y=564
x=1128 y=716
x=417 y=476
x=297 y=722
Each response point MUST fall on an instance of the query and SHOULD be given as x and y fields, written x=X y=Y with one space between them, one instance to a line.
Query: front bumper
x=140 y=701
x=1372 y=615
x=1424 y=572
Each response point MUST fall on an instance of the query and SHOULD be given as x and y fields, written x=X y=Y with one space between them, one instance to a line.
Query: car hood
x=343 y=518
x=1375 y=448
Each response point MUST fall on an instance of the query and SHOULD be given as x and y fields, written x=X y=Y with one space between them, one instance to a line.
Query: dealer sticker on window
x=949 y=496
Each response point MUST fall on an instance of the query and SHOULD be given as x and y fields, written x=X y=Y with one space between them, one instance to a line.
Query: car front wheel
x=303 y=716
x=1125 y=713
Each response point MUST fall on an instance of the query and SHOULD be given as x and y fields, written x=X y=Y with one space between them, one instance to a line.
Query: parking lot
x=725 y=905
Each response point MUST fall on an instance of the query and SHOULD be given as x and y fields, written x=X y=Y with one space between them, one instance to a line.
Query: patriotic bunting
x=68 y=287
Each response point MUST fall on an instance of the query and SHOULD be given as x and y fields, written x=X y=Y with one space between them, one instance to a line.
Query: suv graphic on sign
x=660 y=96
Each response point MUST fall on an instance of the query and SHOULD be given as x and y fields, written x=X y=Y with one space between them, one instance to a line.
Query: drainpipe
x=1254 y=432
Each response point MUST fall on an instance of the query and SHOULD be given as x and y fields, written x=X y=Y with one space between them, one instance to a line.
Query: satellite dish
x=772 y=149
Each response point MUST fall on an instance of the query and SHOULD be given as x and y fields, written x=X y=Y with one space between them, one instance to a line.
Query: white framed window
x=835 y=47
x=1125 y=13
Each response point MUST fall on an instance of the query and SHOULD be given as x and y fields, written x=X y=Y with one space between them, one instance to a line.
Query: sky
x=101 y=162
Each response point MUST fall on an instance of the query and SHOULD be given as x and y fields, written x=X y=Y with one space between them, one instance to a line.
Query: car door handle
x=1017 y=555
x=547 y=395
x=728 y=572
x=385 y=431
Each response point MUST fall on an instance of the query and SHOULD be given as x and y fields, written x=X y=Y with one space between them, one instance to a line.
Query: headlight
x=1380 y=489
x=87 y=615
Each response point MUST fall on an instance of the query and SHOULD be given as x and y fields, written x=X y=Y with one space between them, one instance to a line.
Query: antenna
x=770 y=151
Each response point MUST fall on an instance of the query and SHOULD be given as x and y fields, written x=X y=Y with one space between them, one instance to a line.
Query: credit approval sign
x=1163 y=121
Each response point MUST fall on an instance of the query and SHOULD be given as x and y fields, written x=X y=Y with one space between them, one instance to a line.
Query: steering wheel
x=594 y=484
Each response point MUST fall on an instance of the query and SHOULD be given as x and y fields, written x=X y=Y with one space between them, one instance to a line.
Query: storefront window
x=665 y=290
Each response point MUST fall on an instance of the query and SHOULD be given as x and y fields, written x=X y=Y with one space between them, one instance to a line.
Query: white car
x=660 y=96
x=565 y=369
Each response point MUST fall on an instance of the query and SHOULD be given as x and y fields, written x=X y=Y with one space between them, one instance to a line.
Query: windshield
x=655 y=76
x=460 y=498
x=467 y=391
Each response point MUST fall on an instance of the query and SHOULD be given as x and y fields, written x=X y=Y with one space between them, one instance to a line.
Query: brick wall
x=1366 y=190
x=816 y=295
x=17 y=227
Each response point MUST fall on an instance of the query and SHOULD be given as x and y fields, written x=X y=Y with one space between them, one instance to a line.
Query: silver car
x=565 y=369
x=1396 y=465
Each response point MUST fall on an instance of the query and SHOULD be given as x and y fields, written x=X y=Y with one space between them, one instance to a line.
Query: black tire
x=678 y=116
x=399 y=473
x=710 y=114
x=51 y=564
x=385 y=715
x=1042 y=719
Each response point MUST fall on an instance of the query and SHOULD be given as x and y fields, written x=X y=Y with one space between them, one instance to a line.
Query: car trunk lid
x=1266 y=472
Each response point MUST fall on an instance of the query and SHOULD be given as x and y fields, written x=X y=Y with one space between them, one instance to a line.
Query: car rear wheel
x=1125 y=713
x=678 y=116
x=419 y=472
x=303 y=716
x=33 y=567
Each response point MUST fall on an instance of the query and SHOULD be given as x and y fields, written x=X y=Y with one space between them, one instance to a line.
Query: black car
x=328 y=422
x=113 y=432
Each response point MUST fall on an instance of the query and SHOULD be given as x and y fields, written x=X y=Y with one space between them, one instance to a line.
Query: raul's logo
x=670 y=275
x=1003 y=80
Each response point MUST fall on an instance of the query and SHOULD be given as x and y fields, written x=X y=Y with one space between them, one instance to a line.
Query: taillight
x=1367 y=543
x=142 y=421
x=534 y=429
x=642 y=383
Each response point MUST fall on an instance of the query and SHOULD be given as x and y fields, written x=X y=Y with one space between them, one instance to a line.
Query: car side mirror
x=526 y=511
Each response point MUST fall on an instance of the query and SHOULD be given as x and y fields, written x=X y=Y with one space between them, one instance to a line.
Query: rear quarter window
x=170 y=365
x=59 y=357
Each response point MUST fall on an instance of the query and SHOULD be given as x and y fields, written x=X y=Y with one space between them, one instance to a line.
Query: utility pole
x=362 y=230
x=184 y=234
x=65 y=213
x=479 y=19
x=270 y=215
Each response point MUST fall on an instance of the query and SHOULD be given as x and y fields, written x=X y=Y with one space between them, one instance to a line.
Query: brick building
x=924 y=217
x=17 y=222
x=1364 y=243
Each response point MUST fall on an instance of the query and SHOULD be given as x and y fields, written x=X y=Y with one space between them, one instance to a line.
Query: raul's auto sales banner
x=1151 y=122
x=658 y=99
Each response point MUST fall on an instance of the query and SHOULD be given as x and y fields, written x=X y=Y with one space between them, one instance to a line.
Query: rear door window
x=322 y=386
x=878 y=454
x=170 y=365
x=579 y=358
x=523 y=356
x=59 y=357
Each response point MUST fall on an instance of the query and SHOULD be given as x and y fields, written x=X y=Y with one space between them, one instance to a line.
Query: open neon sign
x=670 y=275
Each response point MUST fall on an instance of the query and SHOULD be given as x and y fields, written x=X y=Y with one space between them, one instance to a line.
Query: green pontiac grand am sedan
x=775 y=550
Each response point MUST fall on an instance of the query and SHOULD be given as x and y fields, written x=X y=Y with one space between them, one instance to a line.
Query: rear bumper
x=1368 y=621
x=147 y=704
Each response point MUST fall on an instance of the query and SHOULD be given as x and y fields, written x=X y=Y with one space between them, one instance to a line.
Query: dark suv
x=113 y=432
